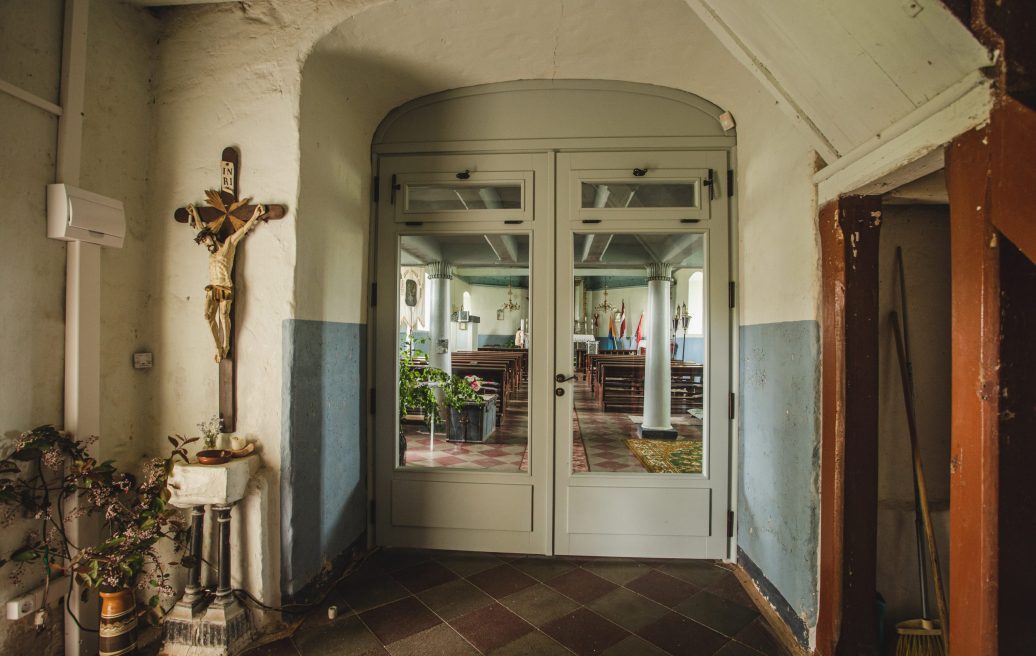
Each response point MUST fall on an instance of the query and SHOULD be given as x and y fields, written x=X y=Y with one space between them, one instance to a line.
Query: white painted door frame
x=428 y=522
x=443 y=508
x=649 y=514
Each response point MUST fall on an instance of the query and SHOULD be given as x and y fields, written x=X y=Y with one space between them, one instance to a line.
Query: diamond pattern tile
x=410 y=603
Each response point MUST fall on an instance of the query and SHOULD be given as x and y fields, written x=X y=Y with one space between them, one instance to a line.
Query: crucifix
x=221 y=225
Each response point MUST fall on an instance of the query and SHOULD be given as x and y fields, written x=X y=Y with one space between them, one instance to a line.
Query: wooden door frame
x=849 y=231
x=992 y=191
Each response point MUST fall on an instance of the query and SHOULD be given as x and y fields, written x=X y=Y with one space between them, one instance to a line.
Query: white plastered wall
x=115 y=160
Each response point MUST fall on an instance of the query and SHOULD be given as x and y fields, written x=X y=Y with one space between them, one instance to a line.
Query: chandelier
x=510 y=305
x=604 y=306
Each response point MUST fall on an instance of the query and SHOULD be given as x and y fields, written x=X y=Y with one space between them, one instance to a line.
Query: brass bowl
x=214 y=456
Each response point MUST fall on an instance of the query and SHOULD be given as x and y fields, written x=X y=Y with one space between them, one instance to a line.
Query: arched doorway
x=553 y=204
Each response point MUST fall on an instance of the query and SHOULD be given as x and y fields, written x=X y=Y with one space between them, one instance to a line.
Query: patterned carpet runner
x=668 y=456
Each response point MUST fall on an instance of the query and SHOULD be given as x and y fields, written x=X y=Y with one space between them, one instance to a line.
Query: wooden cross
x=218 y=221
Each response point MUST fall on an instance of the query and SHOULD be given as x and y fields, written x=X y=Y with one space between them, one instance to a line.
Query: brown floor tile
x=491 y=627
x=662 y=588
x=532 y=644
x=682 y=637
x=283 y=647
x=627 y=609
x=539 y=604
x=735 y=648
x=716 y=612
x=634 y=646
x=468 y=564
x=757 y=636
x=454 y=599
x=543 y=569
x=501 y=581
x=581 y=585
x=391 y=560
x=441 y=639
x=620 y=572
x=422 y=576
x=585 y=632
x=399 y=620
x=700 y=573
x=730 y=588
x=348 y=636
x=361 y=593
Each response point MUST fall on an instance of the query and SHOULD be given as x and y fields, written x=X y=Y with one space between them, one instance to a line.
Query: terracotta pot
x=118 y=623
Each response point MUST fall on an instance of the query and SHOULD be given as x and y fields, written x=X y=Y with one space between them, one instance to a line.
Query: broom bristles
x=919 y=638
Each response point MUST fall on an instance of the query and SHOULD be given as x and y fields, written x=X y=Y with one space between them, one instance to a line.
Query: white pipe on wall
x=82 y=305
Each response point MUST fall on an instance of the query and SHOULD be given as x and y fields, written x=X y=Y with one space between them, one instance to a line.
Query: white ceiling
x=849 y=68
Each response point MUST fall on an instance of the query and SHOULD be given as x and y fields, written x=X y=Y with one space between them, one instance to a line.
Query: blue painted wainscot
x=779 y=464
x=323 y=446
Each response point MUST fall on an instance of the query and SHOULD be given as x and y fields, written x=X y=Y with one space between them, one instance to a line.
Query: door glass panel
x=639 y=353
x=461 y=197
x=630 y=195
x=464 y=351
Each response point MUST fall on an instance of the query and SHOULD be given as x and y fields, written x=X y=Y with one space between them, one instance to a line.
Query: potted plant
x=471 y=419
x=439 y=397
x=53 y=479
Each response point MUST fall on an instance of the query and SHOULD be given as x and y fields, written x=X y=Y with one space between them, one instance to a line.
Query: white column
x=437 y=294
x=657 y=368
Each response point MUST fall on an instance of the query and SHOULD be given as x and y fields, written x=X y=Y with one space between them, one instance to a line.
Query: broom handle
x=922 y=570
x=922 y=492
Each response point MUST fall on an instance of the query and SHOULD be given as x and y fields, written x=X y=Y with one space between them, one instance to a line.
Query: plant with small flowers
x=51 y=478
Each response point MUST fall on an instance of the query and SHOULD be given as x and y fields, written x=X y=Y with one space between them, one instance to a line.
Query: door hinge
x=730 y=523
x=373 y=401
x=730 y=406
x=710 y=182
x=730 y=182
x=374 y=294
x=376 y=189
x=731 y=293
x=393 y=190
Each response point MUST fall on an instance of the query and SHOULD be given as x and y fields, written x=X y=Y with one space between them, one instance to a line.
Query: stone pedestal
x=202 y=624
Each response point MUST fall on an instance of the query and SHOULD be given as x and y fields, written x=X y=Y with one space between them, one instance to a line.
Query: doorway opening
x=556 y=350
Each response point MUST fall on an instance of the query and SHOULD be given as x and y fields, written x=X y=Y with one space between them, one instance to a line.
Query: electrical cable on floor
x=291 y=629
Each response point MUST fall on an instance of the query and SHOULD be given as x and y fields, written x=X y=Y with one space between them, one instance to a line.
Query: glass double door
x=554 y=341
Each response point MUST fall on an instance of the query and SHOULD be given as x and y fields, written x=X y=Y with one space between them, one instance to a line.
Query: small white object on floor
x=332 y=612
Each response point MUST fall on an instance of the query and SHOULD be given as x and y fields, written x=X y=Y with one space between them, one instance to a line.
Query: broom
x=921 y=637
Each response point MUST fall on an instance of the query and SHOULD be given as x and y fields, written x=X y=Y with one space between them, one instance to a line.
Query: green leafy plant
x=418 y=381
x=51 y=478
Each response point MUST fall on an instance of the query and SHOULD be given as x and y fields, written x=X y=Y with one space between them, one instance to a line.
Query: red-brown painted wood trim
x=1013 y=132
x=974 y=451
x=860 y=220
x=832 y=427
x=849 y=231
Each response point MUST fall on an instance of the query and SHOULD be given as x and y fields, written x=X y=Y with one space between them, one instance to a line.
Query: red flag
x=640 y=328
x=622 y=319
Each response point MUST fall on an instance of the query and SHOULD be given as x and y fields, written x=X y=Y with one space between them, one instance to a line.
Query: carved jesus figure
x=219 y=293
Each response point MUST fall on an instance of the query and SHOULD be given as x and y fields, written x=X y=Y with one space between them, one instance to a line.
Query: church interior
x=682 y=327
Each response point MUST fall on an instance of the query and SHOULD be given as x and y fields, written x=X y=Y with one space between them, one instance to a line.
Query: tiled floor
x=403 y=602
x=506 y=449
x=602 y=434
x=597 y=439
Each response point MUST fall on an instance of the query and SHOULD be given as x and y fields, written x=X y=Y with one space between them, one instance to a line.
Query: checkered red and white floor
x=597 y=440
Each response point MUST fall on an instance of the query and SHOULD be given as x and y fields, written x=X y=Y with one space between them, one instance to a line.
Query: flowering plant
x=474 y=382
x=210 y=430
x=52 y=478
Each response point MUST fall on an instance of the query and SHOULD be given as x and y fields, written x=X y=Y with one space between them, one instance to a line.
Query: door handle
x=561 y=378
